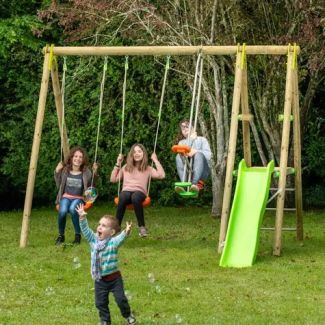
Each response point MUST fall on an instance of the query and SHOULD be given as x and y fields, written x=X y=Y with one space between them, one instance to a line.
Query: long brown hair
x=180 y=135
x=68 y=162
x=130 y=164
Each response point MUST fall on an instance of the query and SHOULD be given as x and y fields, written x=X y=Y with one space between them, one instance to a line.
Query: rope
x=159 y=113
x=102 y=87
x=126 y=67
x=62 y=100
x=199 y=94
x=197 y=107
x=197 y=67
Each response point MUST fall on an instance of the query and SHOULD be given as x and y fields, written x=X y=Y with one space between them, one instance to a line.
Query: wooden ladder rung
x=289 y=189
x=285 y=209
x=284 y=229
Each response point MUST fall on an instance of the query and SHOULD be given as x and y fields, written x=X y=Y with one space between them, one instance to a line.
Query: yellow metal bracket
x=243 y=57
x=52 y=58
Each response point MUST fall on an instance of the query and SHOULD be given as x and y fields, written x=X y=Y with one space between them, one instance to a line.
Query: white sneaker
x=143 y=232
x=179 y=189
x=194 y=188
x=131 y=320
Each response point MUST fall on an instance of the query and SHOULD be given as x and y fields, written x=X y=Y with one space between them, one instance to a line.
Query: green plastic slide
x=251 y=194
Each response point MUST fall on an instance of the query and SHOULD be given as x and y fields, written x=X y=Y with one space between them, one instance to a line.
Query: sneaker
x=200 y=184
x=77 y=239
x=194 y=188
x=131 y=320
x=102 y=322
x=142 y=233
x=179 y=189
x=60 y=240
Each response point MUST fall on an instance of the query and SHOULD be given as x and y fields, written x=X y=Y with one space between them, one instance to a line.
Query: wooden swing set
x=240 y=98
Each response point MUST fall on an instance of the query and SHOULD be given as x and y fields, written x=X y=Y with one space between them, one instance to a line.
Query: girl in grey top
x=200 y=154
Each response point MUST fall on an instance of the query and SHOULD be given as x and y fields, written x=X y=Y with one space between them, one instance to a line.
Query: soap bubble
x=49 y=291
x=128 y=294
x=158 y=289
x=178 y=319
x=90 y=194
x=151 y=277
x=76 y=262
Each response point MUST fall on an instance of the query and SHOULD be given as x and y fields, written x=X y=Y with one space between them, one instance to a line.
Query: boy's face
x=104 y=229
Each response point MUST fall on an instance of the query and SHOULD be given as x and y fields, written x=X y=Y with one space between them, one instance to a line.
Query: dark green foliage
x=20 y=76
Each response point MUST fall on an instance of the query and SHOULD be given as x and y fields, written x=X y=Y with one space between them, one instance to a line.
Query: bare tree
x=211 y=22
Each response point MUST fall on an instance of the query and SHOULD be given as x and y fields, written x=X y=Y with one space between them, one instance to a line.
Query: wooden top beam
x=168 y=50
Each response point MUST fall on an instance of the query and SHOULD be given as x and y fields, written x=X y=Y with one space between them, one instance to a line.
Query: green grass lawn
x=45 y=284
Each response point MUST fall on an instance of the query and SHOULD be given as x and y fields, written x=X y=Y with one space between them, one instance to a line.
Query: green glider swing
x=185 y=149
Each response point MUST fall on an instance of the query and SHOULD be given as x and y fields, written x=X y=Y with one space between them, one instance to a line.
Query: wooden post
x=35 y=151
x=59 y=108
x=297 y=156
x=283 y=158
x=231 y=152
x=245 y=122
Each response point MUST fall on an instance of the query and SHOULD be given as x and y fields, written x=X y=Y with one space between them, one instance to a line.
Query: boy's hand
x=81 y=211
x=128 y=227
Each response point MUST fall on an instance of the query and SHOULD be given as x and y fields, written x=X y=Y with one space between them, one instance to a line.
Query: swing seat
x=186 y=194
x=145 y=203
x=181 y=148
x=189 y=194
x=87 y=206
x=183 y=184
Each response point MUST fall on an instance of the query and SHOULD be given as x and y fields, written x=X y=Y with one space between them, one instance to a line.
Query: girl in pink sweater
x=135 y=175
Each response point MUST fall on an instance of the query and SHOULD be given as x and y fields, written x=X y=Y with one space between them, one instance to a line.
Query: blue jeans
x=200 y=167
x=69 y=206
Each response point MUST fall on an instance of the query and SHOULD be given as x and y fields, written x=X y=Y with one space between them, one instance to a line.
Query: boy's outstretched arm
x=128 y=227
x=82 y=213
x=87 y=232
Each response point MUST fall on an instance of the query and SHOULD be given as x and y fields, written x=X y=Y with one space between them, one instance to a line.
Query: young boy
x=104 y=270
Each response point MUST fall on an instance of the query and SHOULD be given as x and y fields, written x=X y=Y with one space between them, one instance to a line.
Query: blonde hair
x=114 y=223
x=130 y=164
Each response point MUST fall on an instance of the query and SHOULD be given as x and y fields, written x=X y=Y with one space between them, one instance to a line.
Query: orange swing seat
x=181 y=148
x=145 y=203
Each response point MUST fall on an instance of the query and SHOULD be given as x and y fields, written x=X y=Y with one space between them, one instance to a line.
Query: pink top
x=137 y=180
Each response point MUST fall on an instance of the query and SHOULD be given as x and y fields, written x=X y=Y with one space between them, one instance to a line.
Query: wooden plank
x=59 y=109
x=283 y=158
x=35 y=152
x=167 y=50
x=231 y=153
x=297 y=156
x=245 y=123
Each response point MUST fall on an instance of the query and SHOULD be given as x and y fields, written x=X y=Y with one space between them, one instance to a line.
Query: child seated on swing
x=200 y=155
x=72 y=178
x=135 y=174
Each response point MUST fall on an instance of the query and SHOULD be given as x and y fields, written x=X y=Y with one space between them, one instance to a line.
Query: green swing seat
x=186 y=194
